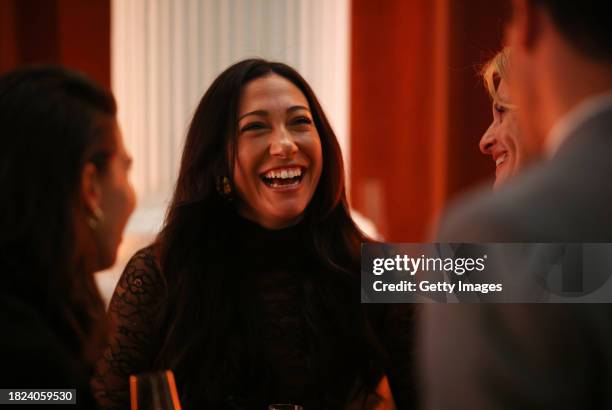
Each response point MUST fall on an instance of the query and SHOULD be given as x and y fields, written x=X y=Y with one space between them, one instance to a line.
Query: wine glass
x=156 y=391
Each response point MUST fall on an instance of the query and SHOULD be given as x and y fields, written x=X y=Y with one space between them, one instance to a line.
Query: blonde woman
x=502 y=140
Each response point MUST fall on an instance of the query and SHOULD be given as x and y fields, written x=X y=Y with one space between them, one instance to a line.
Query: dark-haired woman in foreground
x=251 y=292
x=65 y=201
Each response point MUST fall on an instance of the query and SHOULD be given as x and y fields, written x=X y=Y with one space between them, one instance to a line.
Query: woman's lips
x=283 y=178
x=501 y=159
x=284 y=172
x=286 y=187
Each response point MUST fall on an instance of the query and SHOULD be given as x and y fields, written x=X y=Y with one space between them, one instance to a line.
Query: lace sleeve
x=133 y=314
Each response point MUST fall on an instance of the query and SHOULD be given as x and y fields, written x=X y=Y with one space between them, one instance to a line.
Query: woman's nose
x=488 y=139
x=283 y=144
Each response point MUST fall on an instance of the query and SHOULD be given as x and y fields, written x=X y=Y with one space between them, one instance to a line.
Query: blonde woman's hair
x=493 y=71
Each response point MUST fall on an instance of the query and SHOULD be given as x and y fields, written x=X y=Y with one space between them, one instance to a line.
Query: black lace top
x=272 y=266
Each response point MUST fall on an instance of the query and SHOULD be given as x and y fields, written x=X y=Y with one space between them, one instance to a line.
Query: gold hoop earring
x=224 y=187
x=94 y=220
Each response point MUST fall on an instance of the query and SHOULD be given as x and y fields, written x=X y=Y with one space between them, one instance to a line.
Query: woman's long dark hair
x=195 y=244
x=53 y=121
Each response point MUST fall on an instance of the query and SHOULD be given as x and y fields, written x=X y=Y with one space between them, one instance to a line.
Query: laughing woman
x=251 y=292
x=503 y=140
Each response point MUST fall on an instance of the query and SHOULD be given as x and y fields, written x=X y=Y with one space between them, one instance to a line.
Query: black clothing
x=271 y=276
x=37 y=349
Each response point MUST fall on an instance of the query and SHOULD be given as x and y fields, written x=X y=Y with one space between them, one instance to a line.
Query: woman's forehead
x=270 y=92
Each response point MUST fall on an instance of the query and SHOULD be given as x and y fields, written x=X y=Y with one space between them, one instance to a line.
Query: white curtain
x=165 y=53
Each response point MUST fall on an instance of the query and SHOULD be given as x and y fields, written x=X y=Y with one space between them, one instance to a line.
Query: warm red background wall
x=73 y=33
x=418 y=107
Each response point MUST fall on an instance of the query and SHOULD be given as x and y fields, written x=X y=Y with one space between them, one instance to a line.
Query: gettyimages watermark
x=486 y=273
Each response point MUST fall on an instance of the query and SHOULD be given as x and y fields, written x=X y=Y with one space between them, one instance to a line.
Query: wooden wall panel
x=392 y=114
x=475 y=35
x=72 y=33
x=84 y=37
x=8 y=49
x=417 y=107
x=37 y=31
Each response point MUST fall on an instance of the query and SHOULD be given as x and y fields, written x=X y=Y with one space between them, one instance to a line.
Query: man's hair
x=585 y=25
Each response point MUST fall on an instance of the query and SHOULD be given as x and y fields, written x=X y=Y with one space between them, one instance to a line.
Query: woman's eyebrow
x=296 y=108
x=257 y=112
x=264 y=112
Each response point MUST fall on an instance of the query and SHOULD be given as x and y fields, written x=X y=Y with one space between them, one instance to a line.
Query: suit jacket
x=529 y=356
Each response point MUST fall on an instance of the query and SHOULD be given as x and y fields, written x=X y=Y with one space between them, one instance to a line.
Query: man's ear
x=90 y=188
x=525 y=28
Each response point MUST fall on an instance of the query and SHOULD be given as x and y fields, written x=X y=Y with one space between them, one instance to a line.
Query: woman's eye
x=500 y=109
x=253 y=126
x=301 y=121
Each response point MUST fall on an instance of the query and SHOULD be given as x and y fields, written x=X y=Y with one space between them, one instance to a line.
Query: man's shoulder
x=566 y=198
x=531 y=207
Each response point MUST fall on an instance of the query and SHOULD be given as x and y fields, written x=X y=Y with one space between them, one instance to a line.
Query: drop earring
x=224 y=187
x=96 y=218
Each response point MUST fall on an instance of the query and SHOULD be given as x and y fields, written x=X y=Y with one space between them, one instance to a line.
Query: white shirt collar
x=577 y=116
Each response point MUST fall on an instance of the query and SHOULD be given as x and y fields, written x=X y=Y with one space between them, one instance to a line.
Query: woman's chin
x=275 y=214
x=501 y=175
x=282 y=220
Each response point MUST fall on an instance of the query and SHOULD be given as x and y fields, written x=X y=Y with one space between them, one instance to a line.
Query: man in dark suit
x=538 y=356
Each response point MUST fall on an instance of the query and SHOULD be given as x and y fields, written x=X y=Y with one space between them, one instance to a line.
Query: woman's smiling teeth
x=500 y=160
x=283 y=177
